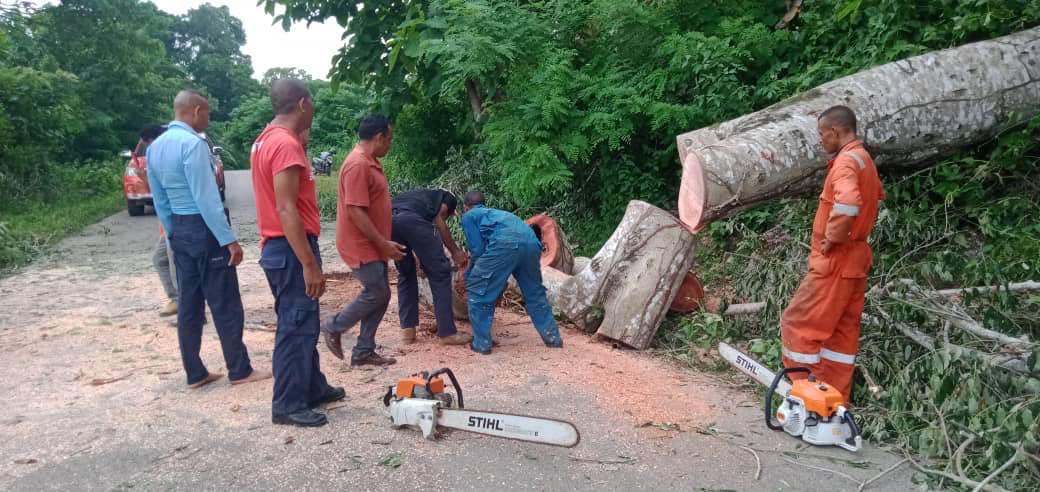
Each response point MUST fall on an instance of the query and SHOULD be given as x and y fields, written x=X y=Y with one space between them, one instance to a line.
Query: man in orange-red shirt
x=288 y=219
x=363 y=222
x=820 y=327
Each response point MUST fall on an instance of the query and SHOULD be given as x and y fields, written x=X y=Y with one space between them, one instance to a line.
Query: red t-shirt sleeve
x=353 y=185
x=286 y=153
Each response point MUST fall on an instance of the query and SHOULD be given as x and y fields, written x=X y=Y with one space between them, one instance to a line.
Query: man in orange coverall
x=820 y=327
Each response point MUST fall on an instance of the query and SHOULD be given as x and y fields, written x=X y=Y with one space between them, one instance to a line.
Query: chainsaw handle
x=853 y=426
x=772 y=390
x=451 y=376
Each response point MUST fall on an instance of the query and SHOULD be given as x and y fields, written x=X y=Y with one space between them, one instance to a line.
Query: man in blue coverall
x=205 y=251
x=502 y=245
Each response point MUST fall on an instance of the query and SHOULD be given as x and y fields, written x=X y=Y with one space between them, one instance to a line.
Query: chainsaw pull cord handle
x=454 y=382
x=772 y=390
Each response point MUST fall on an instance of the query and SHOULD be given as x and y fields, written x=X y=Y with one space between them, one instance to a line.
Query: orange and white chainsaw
x=812 y=410
x=421 y=401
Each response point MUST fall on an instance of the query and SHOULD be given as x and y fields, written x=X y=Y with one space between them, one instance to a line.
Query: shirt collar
x=845 y=148
x=373 y=160
x=851 y=145
x=184 y=126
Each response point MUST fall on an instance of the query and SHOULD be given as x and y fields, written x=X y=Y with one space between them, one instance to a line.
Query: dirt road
x=94 y=397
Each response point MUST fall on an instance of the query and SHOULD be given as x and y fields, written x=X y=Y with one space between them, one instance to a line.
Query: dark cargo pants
x=298 y=379
x=204 y=276
x=421 y=238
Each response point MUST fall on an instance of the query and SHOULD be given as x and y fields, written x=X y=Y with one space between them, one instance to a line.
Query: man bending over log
x=419 y=225
x=501 y=244
x=820 y=327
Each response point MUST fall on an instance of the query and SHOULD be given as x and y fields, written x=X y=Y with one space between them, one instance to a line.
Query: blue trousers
x=487 y=278
x=298 y=380
x=204 y=276
x=421 y=238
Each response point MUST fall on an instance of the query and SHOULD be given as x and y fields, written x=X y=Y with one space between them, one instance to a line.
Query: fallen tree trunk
x=909 y=111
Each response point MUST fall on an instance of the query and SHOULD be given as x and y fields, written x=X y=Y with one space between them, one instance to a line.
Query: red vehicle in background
x=135 y=177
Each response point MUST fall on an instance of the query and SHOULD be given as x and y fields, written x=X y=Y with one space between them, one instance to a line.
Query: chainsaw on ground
x=421 y=401
x=811 y=409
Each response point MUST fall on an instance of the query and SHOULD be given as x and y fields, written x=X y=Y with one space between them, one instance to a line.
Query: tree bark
x=909 y=111
x=476 y=102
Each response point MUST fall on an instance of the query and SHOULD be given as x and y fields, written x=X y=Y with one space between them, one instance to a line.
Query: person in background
x=363 y=222
x=501 y=245
x=419 y=225
x=820 y=327
x=206 y=253
x=162 y=255
x=289 y=224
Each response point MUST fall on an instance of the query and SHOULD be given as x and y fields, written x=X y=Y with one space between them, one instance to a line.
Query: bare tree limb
x=957 y=478
x=998 y=471
x=748 y=308
x=758 y=462
x=828 y=470
x=1006 y=362
x=879 y=475
x=793 y=8
x=1028 y=286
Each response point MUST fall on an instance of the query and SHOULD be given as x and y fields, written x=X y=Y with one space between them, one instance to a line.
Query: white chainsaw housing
x=797 y=422
x=416 y=412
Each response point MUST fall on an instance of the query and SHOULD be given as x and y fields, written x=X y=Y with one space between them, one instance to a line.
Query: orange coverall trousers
x=820 y=327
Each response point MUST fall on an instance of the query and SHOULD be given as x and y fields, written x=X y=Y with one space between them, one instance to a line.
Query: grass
x=327 y=189
x=30 y=226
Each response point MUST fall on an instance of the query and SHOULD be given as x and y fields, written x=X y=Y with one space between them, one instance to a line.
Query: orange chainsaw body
x=821 y=398
x=406 y=387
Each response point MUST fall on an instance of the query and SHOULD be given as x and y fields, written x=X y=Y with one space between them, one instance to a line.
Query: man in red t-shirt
x=363 y=222
x=289 y=223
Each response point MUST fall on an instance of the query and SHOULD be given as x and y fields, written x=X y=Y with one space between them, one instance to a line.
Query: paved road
x=95 y=398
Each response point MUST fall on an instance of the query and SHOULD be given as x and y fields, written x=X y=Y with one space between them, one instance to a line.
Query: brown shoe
x=372 y=359
x=213 y=376
x=460 y=338
x=332 y=339
x=408 y=335
x=170 y=309
x=256 y=375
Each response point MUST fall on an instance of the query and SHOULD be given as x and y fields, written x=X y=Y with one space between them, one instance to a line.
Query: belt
x=311 y=237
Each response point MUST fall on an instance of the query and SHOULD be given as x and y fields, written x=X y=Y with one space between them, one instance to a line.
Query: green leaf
x=393 y=460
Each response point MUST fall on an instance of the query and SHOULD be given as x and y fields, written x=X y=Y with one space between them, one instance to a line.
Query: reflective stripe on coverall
x=820 y=327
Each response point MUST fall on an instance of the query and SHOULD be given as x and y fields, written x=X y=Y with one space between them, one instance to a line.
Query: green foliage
x=207 y=42
x=574 y=104
x=275 y=73
x=336 y=116
x=78 y=80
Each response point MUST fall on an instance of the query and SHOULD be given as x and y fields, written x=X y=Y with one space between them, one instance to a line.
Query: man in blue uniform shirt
x=205 y=251
x=501 y=244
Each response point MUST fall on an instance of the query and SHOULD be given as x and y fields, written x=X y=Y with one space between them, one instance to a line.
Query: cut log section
x=556 y=251
x=690 y=294
x=909 y=111
x=628 y=287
